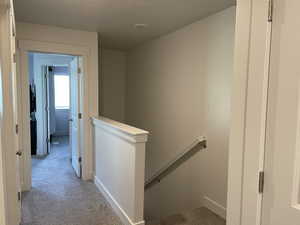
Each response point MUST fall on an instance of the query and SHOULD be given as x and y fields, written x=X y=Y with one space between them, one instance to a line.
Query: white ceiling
x=115 y=19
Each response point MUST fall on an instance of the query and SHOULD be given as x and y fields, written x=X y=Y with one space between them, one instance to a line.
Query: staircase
x=200 y=216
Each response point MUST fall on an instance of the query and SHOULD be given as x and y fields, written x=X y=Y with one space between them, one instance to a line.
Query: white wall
x=45 y=38
x=113 y=76
x=120 y=165
x=178 y=88
x=52 y=34
x=2 y=187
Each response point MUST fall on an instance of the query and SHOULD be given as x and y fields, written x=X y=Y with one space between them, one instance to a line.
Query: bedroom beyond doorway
x=54 y=101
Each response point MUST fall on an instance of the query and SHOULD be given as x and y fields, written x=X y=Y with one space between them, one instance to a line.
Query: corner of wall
x=214 y=207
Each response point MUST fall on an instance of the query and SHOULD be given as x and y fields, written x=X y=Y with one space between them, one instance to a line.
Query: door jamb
x=46 y=99
x=24 y=46
x=9 y=203
x=249 y=104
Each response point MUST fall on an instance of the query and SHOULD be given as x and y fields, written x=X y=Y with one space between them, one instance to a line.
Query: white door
x=18 y=150
x=75 y=115
x=12 y=138
x=281 y=198
x=16 y=120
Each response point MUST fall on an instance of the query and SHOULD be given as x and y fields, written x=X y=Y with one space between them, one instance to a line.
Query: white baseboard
x=214 y=207
x=114 y=204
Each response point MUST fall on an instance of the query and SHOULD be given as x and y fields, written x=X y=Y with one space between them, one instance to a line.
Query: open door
x=18 y=151
x=48 y=73
x=75 y=115
x=10 y=127
x=50 y=106
x=281 y=197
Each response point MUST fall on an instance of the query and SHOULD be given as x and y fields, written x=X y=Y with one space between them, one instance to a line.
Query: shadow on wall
x=62 y=122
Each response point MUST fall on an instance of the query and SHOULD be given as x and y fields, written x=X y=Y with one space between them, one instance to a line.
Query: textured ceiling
x=115 y=19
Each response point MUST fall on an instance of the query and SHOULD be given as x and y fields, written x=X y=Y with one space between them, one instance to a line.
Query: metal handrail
x=195 y=147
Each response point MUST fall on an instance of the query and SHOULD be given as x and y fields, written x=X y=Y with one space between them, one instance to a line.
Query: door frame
x=9 y=204
x=40 y=62
x=47 y=108
x=25 y=46
x=249 y=109
x=78 y=170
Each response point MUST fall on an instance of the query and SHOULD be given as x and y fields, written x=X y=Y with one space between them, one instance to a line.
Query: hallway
x=58 y=197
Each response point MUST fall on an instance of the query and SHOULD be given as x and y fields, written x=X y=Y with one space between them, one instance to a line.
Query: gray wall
x=112 y=80
x=61 y=121
x=178 y=88
x=31 y=67
x=61 y=115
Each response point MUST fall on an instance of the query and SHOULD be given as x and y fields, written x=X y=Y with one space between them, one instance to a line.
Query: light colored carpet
x=58 y=197
x=200 y=216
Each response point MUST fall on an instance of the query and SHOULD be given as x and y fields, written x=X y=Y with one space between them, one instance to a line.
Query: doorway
x=54 y=91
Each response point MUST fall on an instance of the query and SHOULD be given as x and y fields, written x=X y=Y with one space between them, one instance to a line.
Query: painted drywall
x=115 y=20
x=113 y=73
x=52 y=34
x=2 y=180
x=62 y=123
x=178 y=88
x=61 y=70
x=45 y=38
x=31 y=67
x=120 y=166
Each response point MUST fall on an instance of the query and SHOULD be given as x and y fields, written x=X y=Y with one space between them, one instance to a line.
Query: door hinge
x=79 y=115
x=80 y=171
x=79 y=70
x=261 y=182
x=13 y=31
x=270 y=11
x=80 y=166
x=19 y=196
x=17 y=128
x=14 y=57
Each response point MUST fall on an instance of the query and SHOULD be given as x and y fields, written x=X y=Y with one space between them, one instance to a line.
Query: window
x=62 y=91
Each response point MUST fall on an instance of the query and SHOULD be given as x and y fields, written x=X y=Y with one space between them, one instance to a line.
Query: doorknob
x=19 y=153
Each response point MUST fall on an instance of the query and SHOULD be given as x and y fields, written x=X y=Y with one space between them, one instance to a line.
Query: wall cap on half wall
x=129 y=133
